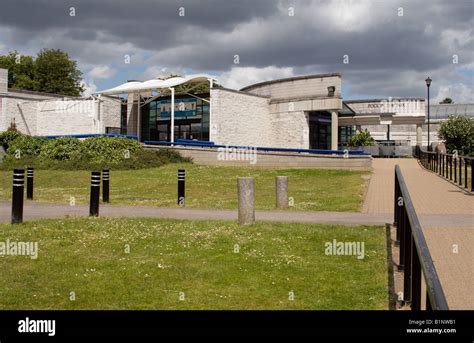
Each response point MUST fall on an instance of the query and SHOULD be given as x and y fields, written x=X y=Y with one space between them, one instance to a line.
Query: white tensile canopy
x=160 y=87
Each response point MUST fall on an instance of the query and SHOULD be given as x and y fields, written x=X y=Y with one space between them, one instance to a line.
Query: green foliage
x=56 y=73
x=458 y=134
x=7 y=136
x=25 y=146
x=447 y=101
x=107 y=151
x=52 y=71
x=73 y=154
x=63 y=148
x=362 y=138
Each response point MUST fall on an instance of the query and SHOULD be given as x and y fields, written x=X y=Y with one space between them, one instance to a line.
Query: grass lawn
x=206 y=187
x=87 y=256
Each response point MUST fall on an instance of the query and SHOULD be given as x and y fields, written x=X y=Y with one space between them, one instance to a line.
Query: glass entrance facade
x=319 y=130
x=191 y=118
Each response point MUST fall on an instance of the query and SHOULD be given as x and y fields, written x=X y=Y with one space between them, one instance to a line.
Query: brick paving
x=451 y=242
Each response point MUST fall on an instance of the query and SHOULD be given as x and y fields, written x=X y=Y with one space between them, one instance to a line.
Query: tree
x=20 y=71
x=458 y=134
x=362 y=138
x=56 y=73
x=447 y=101
x=52 y=71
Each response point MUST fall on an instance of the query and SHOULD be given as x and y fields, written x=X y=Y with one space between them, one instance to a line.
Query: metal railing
x=455 y=168
x=415 y=258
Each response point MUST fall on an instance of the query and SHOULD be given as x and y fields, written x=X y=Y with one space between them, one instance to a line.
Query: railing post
x=407 y=242
x=451 y=168
x=472 y=175
x=438 y=169
x=415 y=280
x=460 y=171
x=442 y=165
x=395 y=206
x=465 y=173
x=455 y=169
x=428 y=302
x=403 y=231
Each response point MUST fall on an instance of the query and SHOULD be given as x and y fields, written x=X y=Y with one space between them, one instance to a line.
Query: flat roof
x=379 y=100
x=289 y=79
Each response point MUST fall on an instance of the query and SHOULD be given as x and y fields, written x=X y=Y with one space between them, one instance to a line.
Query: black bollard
x=105 y=185
x=95 y=194
x=17 y=195
x=29 y=183
x=181 y=187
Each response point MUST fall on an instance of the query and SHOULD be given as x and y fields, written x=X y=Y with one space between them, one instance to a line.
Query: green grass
x=206 y=187
x=87 y=256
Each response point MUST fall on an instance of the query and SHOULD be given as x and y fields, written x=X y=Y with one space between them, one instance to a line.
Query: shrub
x=458 y=134
x=7 y=136
x=23 y=146
x=63 y=148
x=362 y=138
x=93 y=153
x=109 y=151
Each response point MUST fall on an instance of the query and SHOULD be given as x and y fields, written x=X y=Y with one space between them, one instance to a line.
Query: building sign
x=183 y=107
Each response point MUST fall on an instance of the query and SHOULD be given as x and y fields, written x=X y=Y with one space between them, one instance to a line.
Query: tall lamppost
x=428 y=83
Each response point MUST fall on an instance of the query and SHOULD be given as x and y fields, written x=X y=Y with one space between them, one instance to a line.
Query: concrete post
x=419 y=134
x=281 y=183
x=334 y=130
x=245 y=192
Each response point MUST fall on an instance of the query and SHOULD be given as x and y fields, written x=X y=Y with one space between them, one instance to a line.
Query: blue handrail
x=205 y=144
x=89 y=135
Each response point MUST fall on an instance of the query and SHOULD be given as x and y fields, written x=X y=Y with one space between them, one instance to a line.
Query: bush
x=25 y=146
x=109 y=151
x=63 y=148
x=362 y=138
x=93 y=153
x=7 y=136
x=458 y=134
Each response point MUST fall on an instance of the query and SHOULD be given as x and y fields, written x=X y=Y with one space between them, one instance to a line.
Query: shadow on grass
x=392 y=295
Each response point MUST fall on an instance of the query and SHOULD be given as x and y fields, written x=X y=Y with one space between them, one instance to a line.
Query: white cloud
x=90 y=87
x=459 y=92
x=239 y=77
x=102 y=72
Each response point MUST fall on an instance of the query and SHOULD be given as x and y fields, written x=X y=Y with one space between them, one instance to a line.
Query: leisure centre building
x=305 y=112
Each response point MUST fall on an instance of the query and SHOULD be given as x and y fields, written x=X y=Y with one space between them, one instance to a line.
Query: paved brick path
x=450 y=240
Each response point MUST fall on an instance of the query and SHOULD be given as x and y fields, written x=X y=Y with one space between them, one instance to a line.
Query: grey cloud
x=207 y=38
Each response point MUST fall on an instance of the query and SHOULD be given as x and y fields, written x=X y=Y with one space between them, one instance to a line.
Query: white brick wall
x=41 y=115
x=240 y=119
x=3 y=80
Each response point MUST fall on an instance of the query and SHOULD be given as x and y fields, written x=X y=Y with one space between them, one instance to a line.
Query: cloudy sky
x=391 y=46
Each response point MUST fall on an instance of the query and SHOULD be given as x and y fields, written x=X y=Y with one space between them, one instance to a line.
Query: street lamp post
x=428 y=83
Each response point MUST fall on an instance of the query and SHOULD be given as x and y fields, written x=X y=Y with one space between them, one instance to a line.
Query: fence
x=455 y=168
x=415 y=258
x=207 y=144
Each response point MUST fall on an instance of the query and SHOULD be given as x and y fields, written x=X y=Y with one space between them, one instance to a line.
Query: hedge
x=91 y=153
